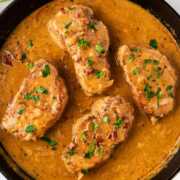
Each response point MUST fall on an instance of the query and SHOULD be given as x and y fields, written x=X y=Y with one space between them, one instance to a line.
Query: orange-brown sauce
x=147 y=147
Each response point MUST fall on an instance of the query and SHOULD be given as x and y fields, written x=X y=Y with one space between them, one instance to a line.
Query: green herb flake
x=50 y=142
x=159 y=96
x=67 y=24
x=84 y=171
x=30 y=129
x=35 y=98
x=92 y=26
x=82 y=43
x=100 y=151
x=94 y=126
x=153 y=43
x=148 y=92
x=119 y=122
x=99 y=74
x=150 y=61
x=21 y=111
x=135 y=49
x=29 y=96
x=30 y=44
x=71 y=152
x=90 y=61
x=30 y=66
x=99 y=48
x=91 y=149
x=46 y=71
x=136 y=71
x=41 y=90
x=170 y=90
x=158 y=72
x=105 y=119
x=131 y=58
x=83 y=136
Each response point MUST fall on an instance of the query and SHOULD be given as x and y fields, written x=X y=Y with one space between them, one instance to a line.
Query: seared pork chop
x=38 y=103
x=96 y=134
x=86 y=39
x=151 y=78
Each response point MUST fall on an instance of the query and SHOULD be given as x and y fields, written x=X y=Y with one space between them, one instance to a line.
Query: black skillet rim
x=19 y=9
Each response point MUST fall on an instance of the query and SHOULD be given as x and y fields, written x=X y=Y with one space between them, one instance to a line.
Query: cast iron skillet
x=19 y=9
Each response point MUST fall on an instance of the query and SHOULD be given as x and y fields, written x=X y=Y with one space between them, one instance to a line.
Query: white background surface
x=174 y=3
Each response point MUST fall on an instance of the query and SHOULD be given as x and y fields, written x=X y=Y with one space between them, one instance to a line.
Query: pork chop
x=96 y=134
x=38 y=103
x=151 y=78
x=86 y=39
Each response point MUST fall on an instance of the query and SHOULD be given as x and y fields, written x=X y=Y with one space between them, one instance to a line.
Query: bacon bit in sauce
x=7 y=58
x=113 y=135
x=89 y=71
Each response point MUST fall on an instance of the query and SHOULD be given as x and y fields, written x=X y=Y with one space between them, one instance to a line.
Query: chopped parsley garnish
x=131 y=58
x=46 y=71
x=90 y=61
x=30 y=128
x=158 y=72
x=30 y=66
x=148 y=92
x=29 y=96
x=41 y=90
x=94 y=126
x=30 y=44
x=150 y=61
x=149 y=77
x=105 y=119
x=135 y=49
x=35 y=98
x=82 y=43
x=100 y=151
x=99 y=48
x=91 y=149
x=99 y=74
x=153 y=43
x=170 y=90
x=118 y=123
x=71 y=152
x=92 y=26
x=21 y=111
x=50 y=142
x=67 y=25
x=159 y=96
x=83 y=136
x=23 y=56
x=85 y=171
x=136 y=71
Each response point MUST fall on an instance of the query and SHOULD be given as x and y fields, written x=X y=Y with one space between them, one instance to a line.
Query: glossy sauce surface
x=148 y=146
